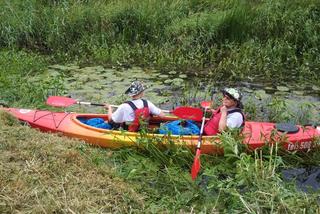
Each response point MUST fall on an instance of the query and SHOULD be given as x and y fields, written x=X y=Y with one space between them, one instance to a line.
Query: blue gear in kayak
x=180 y=127
x=97 y=122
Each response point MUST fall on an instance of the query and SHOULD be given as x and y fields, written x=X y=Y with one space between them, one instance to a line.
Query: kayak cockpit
x=101 y=121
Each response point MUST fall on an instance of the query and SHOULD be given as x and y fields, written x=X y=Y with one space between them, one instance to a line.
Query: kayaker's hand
x=223 y=110
x=106 y=106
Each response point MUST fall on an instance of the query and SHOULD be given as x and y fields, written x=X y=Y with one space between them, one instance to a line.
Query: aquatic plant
x=21 y=80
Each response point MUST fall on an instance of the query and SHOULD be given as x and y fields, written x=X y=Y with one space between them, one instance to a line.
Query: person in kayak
x=229 y=115
x=132 y=113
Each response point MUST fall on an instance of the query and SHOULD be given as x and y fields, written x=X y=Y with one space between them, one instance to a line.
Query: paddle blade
x=60 y=101
x=206 y=104
x=196 y=165
x=188 y=113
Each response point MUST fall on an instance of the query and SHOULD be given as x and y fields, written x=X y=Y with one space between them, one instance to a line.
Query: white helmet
x=233 y=93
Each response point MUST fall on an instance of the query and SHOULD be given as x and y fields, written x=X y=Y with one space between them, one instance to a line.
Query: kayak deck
x=255 y=134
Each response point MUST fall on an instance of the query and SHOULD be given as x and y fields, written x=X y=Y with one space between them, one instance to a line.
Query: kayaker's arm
x=109 y=109
x=223 y=119
x=161 y=114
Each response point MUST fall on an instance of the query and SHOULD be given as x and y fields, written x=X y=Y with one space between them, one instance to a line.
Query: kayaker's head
x=232 y=97
x=135 y=90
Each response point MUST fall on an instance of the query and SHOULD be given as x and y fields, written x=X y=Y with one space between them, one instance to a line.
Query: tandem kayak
x=255 y=134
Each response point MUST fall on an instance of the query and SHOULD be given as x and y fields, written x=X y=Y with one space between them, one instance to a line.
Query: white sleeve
x=118 y=115
x=153 y=109
x=234 y=120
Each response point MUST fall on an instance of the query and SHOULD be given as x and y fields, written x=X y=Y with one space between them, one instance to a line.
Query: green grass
x=47 y=173
x=233 y=39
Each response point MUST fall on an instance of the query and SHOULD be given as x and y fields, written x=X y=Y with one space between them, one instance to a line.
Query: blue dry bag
x=180 y=127
x=98 y=123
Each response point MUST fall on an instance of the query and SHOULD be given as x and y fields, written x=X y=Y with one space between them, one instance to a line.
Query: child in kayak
x=229 y=115
x=133 y=113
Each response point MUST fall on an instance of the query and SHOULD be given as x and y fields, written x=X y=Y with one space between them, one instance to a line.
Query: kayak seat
x=287 y=127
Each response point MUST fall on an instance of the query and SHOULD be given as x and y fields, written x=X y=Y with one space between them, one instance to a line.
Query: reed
x=273 y=37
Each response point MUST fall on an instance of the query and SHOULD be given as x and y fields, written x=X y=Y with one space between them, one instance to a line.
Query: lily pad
x=261 y=94
x=183 y=76
x=168 y=81
x=249 y=90
x=300 y=93
x=281 y=93
x=269 y=89
x=164 y=76
x=59 y=67
x=73 y=67
x=315 y=88
x=282 y=88
x=177 y=82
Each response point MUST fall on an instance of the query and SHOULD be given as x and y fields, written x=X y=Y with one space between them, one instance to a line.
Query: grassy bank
x=47 y=173
x=227 y=39
x=222 y=39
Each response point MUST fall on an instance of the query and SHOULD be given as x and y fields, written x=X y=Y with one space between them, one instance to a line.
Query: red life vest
x=142 y=114
x=212 y=126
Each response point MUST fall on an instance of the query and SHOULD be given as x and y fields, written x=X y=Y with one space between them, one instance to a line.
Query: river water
x=167 y=90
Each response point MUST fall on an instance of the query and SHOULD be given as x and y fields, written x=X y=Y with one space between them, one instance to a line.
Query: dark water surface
x=170 y=89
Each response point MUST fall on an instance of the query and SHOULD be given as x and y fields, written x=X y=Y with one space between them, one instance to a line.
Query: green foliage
x=229 y=39
x=246 y=182
x=18 y=84
x=251 y=110
x=304 y=113
x=279 y=110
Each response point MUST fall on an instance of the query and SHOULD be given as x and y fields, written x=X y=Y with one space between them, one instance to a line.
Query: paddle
x=196 y=162
x=184 y=112
x=58 y=101
x=206 y=104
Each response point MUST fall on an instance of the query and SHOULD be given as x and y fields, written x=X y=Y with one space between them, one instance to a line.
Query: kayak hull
x=255 y=134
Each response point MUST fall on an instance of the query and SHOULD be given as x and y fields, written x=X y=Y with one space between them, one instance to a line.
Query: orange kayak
x=255 y=134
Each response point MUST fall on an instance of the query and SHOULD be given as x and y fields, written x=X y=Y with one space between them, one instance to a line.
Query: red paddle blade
x=196 y=165
x=60 y=101
x=188 y=113
x=206 y=104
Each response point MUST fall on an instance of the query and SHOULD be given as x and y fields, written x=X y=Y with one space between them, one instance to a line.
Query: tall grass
x=273 y=37
x=21 y=82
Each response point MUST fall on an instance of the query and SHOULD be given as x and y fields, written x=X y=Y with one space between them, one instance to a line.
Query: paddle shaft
x=94 y=104
x=183 y=112
x=201 y=130
x=115 y=106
